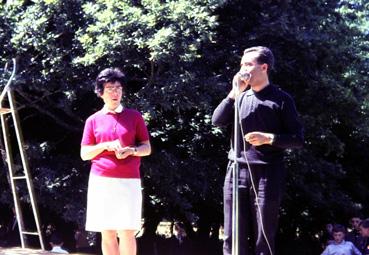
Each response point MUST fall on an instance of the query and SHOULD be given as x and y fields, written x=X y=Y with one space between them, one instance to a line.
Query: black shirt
x=270 y=110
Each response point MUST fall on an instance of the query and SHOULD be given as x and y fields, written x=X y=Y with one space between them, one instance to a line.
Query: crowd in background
x=170 y=238
x=353 y=240
x=338 y=239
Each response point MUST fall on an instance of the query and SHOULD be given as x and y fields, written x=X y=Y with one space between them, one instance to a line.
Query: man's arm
x=293 y=136
x=326 y=251
x=223 y=114
x=355 y=250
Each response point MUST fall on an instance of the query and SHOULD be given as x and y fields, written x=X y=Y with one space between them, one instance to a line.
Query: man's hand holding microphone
x=239 y=84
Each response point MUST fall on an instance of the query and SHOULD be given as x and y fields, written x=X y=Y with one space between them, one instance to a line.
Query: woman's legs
x=109 y=242
x=127 y=242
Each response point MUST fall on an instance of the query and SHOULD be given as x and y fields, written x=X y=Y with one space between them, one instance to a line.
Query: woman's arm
x=88 y=152
x=143 y=149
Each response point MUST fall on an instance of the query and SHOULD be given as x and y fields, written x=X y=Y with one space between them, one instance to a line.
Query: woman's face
x=112 y=94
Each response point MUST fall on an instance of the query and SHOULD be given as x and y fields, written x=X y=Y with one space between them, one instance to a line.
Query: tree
x=321 y=65
x=159 y=51
x=180 y=57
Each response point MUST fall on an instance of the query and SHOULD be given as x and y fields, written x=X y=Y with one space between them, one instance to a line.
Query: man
x=364 y=231
x=340 y=246
x=56 y=243
x=354 y=235
x=269 y=124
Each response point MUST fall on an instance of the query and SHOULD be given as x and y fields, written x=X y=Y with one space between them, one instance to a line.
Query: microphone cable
x=252 y=182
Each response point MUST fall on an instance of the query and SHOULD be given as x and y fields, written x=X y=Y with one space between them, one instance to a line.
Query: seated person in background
x=9 y=231
x=56 y=243
x=340 y=246
x=364 y=231
x=81 y=238
x=354 y=235
x=327 y=237
x=179 y=232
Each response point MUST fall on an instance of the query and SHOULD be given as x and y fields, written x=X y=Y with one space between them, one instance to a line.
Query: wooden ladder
x=7 y=114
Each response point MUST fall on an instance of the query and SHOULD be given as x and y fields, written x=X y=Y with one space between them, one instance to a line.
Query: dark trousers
x=269 y=182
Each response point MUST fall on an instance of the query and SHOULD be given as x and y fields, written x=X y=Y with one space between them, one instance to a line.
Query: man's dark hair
x=356 y=215
x=364 y=223
x=338 y=228
x=56 y=239
x=265 y=56
x=109 y=75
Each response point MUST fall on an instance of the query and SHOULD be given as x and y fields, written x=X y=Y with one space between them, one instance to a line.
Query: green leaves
x=164 y=31
x=180 y=57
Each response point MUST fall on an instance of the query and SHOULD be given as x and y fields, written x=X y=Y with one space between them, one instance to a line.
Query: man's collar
x=263 y=91
x=119 y=109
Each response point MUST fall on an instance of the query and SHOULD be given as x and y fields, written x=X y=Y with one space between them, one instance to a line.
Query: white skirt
x=113 y=204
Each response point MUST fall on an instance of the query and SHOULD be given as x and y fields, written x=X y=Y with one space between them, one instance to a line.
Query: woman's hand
x=124 y=152
x=113 y=145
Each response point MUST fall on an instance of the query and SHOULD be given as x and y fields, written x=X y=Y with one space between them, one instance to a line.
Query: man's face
x=338 y=237
x=250 y=65
x=364 y=231
x=355 y=222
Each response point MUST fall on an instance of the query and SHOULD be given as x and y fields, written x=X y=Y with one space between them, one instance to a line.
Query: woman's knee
x=126 y=234
x=109 y=235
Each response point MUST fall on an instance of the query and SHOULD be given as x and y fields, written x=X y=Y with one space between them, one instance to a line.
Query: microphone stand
x=235 y=172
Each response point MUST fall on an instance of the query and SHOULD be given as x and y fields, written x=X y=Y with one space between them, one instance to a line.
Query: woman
x=114 y=139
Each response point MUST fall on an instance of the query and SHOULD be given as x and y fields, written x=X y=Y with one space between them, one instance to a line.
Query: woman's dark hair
x=265 y=56
x=109 y=75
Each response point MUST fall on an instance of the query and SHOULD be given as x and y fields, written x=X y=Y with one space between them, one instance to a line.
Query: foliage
x=179 y=57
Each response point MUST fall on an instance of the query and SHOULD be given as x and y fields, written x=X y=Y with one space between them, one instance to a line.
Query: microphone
x=244 y=75
x=241 y=75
